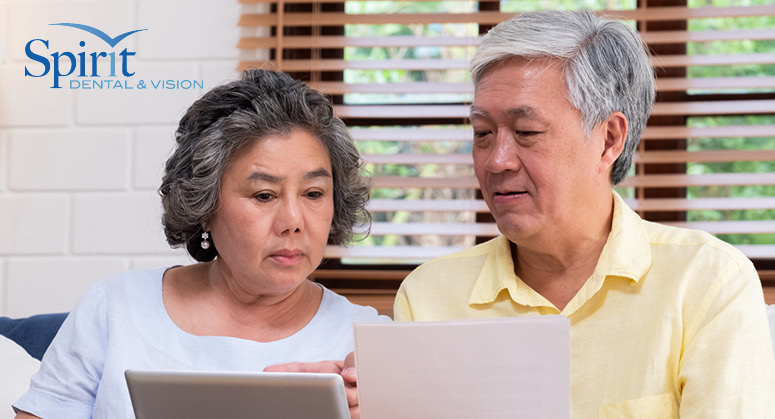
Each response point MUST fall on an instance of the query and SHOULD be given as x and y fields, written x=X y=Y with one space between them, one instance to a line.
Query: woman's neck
x=210 y=304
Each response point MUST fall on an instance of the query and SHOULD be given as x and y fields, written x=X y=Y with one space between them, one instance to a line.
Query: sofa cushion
x=33 y=333
x=17 y=367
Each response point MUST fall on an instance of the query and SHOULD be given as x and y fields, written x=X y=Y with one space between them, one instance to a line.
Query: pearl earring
x=205 y=243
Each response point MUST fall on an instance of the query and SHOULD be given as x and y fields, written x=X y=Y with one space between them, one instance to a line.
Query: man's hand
x=344 y=368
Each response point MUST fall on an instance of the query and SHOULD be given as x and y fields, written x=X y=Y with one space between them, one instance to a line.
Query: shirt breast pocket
x=663 y=406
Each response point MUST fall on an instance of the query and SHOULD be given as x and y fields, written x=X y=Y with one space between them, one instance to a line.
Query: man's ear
x=615 y=136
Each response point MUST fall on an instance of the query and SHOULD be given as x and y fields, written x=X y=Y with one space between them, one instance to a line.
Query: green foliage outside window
x=457 y=76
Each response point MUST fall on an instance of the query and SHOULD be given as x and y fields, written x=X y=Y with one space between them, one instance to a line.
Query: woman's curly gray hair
x=230 y=117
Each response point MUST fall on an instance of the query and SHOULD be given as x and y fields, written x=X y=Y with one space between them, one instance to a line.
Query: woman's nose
x=288 y=218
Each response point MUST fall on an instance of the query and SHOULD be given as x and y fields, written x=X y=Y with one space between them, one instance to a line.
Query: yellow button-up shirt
x=672 y=321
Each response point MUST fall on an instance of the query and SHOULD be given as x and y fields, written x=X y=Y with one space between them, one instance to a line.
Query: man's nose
x=503 y=156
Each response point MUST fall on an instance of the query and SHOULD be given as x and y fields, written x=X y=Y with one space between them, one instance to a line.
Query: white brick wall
x=4 y=163
x=39 y=285
x=152 y=147
x=79 y=168
x=71 y=159
x=124 y=223
x=20 y=108
x=201 y=44
x=3 y=32
x=34 y=224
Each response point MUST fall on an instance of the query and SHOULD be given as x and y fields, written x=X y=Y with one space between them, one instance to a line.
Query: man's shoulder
x=462 y=265
x=686 y=245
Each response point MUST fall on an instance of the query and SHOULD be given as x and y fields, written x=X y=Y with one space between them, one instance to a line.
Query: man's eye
x=264 y=197
x=315 y=194
x=527 y=133
x=480 y=134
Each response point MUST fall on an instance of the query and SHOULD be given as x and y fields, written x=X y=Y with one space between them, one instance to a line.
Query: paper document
x=472 y=369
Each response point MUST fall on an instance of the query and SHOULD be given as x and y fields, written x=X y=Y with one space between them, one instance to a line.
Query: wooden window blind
x=398 y=74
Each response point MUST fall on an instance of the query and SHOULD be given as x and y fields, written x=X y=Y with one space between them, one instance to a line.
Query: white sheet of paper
x=492 y=368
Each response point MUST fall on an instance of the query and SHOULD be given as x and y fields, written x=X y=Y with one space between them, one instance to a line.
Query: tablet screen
x=198 y=394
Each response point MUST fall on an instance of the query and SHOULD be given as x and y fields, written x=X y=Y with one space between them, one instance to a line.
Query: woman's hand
x=344 y=368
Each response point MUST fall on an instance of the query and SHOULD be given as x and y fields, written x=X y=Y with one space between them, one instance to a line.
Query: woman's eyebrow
x=317 y=173
x=266 y=177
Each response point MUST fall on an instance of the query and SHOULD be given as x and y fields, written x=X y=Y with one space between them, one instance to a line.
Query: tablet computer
x=200 y=395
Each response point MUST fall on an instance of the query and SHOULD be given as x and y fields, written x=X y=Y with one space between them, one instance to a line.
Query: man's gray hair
x=231 y=117
x=606 y=66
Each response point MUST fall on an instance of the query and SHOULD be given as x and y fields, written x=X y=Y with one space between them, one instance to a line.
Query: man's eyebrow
x=525 y=112
x=317 y=173
x=266 y=177
x=520 y=112
x=477 y=112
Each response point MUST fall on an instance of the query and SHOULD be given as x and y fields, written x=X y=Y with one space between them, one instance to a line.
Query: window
x=398 y=73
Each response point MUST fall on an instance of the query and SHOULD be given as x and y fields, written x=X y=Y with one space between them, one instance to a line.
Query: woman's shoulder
x=138 y=278
x=341 y=307
x=133 y=295
x=141 y=282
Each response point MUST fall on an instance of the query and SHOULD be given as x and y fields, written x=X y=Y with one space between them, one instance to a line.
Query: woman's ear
x=615 y=136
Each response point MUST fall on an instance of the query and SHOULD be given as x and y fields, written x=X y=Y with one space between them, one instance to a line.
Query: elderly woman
x=263 y=177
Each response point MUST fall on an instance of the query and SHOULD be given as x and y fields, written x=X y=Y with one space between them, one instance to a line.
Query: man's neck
x=558 y=263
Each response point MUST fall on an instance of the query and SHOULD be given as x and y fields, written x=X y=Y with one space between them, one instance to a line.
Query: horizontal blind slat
x=451 y=182
x=660 y=133
x=730 y=107
x=419 y=134
x=488 y=17
x=721 y=204
x=405 y=158
x=426 y=253
x=650 y=204
x=703 y=156
x=457 y=64
x=729 y=227
x=639 y=157
x=703 y=60
x=389 y=252
x=491 y=229
x=712 y=179
x=380 y=228
x=664 y=84
x=417 y=205
x=667 y=37
x=646 y=181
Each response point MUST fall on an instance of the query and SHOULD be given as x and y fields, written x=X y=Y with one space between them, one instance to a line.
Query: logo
x=82 y=67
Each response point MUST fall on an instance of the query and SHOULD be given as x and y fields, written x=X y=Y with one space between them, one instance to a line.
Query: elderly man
x=665 y=322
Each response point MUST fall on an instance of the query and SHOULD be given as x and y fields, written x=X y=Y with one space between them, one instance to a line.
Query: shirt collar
x=626 y=254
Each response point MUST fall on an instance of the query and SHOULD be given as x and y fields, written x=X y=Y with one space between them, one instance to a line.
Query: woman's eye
x=264 y=197
x=314 y=194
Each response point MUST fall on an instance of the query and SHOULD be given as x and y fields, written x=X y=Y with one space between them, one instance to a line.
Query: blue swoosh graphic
x=98 y=33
